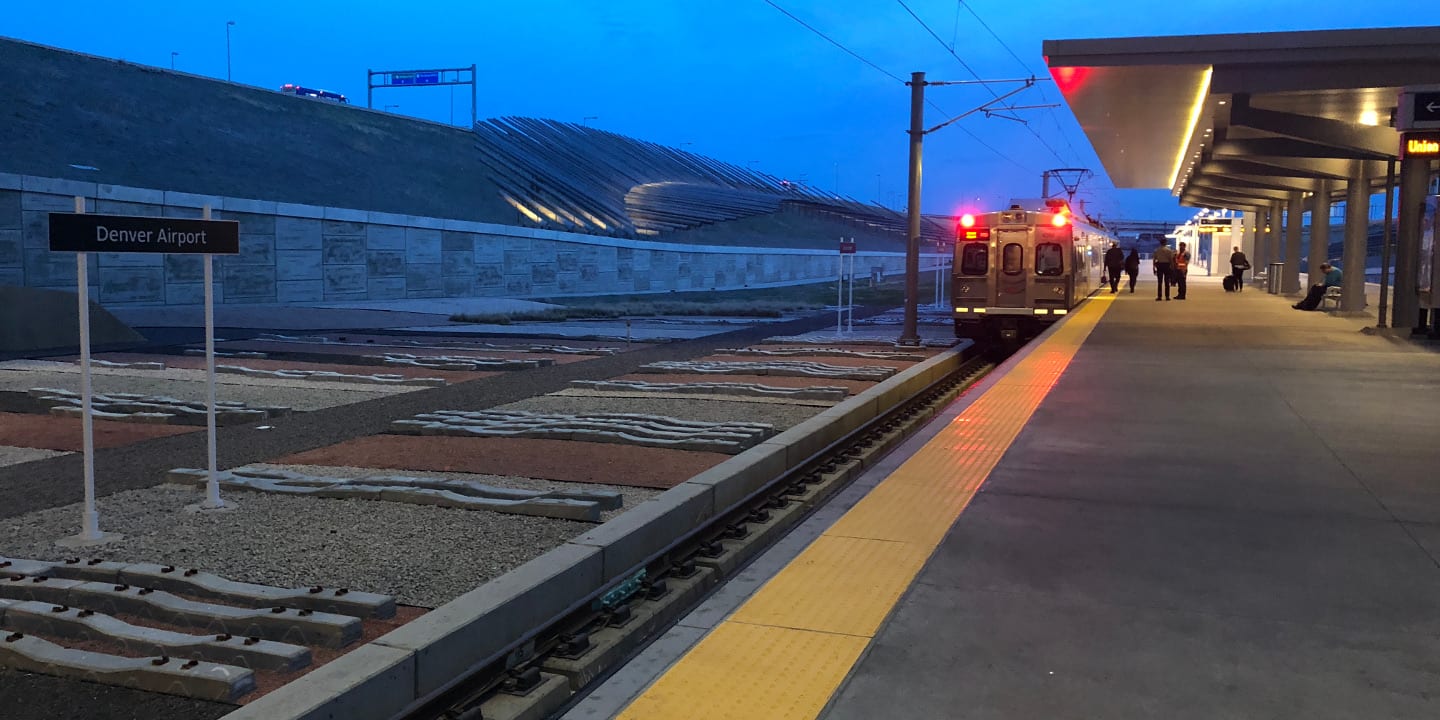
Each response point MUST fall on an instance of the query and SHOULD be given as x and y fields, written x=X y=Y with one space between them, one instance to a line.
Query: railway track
x=553 y=663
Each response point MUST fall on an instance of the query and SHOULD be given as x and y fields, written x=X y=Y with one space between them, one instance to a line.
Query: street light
x=228 y=24
x=586 y=120
x=173 y=54
x=387 y=107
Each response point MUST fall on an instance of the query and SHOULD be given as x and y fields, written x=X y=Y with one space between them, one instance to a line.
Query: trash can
x=1272 y=279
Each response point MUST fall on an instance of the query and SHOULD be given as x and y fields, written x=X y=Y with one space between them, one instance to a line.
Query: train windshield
x=1012 y=259
x=1049 y=259
x=974 y=259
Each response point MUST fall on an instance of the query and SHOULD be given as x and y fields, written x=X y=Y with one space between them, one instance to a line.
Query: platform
x=1217 y=507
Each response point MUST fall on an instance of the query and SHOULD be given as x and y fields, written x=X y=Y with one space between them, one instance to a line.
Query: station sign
x=1420 y=144
x=73 y=232
x=1419 y=108
x=847 y=247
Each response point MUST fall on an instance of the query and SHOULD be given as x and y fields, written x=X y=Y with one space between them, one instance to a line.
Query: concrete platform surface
x=1225 y=508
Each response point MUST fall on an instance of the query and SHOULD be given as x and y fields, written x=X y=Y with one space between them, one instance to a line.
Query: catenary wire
x=976 y=75
x=1044 y=97
x=894 y=77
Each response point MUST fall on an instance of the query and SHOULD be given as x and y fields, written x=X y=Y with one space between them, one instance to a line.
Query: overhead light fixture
x=1202 y=90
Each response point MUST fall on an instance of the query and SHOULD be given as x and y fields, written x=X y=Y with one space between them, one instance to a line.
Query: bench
x=1332 y=295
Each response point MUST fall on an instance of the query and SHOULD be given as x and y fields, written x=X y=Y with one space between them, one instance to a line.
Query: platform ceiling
x=1239 y=120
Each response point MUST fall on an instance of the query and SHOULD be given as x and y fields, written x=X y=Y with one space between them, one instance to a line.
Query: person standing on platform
x=1132 y=267
x=1163 y=260
x=1182 y=266
x=1238 y=265
x=1114 y=265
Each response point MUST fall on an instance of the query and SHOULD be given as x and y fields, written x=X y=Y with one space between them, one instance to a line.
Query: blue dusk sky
x=737 y=80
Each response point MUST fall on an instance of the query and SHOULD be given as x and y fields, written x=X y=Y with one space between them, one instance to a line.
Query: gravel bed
x=422 y=555
x=312 y=396
x=27 y=696
x=782 y=417
x=10 y=455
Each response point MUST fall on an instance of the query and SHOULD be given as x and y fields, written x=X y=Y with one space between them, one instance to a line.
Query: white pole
x=90 y=527
x=212 y=485
x=840 y=292
x=850 y=314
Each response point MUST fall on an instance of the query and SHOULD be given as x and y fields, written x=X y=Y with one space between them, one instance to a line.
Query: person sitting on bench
x=1317 y=291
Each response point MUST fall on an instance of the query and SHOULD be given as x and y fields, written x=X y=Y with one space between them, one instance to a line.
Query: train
x=1017 y=271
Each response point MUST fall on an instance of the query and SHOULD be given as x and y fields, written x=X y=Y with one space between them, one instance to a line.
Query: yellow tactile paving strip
x=784 y=652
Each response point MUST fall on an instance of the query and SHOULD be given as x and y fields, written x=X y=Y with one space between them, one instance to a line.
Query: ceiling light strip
x=1204 y=92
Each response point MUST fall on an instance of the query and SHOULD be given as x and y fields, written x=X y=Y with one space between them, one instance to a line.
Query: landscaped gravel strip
x=782 y=417
x=422 y=555
x=47 y=483
x=10 y=455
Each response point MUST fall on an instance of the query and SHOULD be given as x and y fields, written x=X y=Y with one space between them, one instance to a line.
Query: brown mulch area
x=564 y=460
x=62 y=433
x=854 y=386
x=196 y=362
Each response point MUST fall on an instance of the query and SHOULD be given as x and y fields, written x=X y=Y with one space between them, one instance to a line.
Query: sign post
x=83 y=233
x=212 y=499
x=845 y=309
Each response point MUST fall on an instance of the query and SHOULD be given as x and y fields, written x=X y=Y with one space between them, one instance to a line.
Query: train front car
x=1016 y=271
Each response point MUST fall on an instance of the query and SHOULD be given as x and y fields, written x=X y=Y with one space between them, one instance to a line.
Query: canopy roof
x=1239 y=120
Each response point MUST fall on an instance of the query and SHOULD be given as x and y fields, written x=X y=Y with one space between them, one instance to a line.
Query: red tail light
x=967 y=220
x=1059 y=220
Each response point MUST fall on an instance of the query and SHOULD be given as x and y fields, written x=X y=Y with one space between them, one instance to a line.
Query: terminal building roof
x=1240 y=120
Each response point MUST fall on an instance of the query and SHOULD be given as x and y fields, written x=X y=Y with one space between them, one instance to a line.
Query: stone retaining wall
x=308 y=254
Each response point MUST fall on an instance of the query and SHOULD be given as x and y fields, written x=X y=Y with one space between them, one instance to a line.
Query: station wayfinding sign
x=847 y=247
x=1419 y=108
x=71 y=232
x=1420 y=144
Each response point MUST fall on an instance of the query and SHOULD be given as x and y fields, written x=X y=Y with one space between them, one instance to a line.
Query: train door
x=1011 y=279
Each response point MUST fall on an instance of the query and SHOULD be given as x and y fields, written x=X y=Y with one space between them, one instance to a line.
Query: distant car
x=290 y=89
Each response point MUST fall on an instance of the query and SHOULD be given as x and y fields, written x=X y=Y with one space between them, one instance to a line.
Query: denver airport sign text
x=127 y=234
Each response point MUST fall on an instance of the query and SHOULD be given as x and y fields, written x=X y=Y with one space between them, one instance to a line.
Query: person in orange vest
x=1182 y=265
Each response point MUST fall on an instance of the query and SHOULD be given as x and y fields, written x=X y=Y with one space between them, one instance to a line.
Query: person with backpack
x=1182 y=266
x=1161 y=261
x=1114 y=265
x=1238 y=265
x=1132 y=267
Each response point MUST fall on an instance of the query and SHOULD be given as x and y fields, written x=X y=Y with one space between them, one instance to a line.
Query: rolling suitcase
x=1229 y=283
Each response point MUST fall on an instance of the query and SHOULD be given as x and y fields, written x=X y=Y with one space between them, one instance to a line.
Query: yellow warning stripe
x=787 y=649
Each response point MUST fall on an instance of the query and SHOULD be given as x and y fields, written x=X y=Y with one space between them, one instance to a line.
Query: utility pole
x=909 y=335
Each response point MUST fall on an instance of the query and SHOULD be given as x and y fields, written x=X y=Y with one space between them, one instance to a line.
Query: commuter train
x=1016 y=271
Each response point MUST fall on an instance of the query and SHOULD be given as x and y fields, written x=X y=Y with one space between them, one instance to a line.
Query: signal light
x=1059 y=220
x=967 y=220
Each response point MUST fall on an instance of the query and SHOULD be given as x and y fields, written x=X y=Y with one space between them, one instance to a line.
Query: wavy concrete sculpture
x=125 y=365
x=157 y=409
x=625 y=428
x=295 y=374
x=813 y=392
x=258 y=627
x=821 y=352
x=459 y=362
x=441 y=345
x=563 y=505
x=779 y=368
